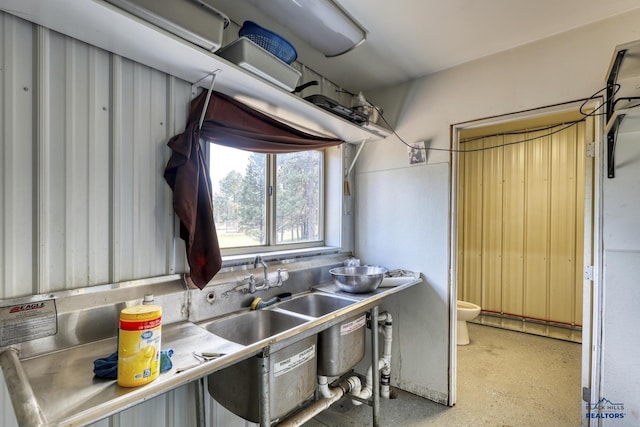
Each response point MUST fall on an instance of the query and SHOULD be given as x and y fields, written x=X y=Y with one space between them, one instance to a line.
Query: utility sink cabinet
x=291 y=370
x=53 y=384
x=291 y=381
x=340 y=347
x=291 y=374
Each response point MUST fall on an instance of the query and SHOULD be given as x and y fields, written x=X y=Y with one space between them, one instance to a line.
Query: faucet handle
x=252 y=282
x=283 y=274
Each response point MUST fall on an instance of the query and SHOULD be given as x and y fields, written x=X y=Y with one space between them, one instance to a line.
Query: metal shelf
x=103 y=25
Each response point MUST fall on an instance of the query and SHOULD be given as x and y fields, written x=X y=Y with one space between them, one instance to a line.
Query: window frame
x=270 y=211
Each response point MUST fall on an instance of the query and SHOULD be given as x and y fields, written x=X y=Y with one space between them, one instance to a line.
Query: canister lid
x=141 y=312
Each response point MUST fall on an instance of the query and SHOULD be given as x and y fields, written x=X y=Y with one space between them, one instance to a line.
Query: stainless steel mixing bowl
x=358 y=280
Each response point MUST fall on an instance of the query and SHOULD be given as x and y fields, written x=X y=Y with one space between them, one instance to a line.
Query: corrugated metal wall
x=521 y=222
x=84 y=136
x=84 y=147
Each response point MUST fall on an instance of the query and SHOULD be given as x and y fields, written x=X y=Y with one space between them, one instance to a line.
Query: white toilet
x=465 y=311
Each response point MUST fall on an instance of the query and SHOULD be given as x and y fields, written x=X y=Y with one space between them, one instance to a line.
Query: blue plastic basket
x=269 y=41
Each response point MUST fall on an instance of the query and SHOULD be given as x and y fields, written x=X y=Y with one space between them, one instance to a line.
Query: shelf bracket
x=353 y=162
x=610 y=103
x=612 y=80
x=206 y=101
x=611 y=146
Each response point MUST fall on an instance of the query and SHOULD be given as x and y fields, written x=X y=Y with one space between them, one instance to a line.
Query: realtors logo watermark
x=604 y=408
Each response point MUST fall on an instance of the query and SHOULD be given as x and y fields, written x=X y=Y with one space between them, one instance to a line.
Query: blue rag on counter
x=107 y=367
x=165 y=360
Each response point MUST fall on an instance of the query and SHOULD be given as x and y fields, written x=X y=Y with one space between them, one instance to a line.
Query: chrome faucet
x=253 y=286
x=258 y=260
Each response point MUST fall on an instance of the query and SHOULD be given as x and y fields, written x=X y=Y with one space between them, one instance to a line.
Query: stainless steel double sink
x=248 y=327
x=292 y=369
x=54 y=393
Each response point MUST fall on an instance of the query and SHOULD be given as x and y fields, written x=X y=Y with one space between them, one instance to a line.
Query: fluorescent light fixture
x=321 y=23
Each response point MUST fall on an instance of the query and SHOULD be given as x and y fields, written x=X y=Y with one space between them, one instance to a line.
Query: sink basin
x=252 y=326
x=341 y=346
x=315 y=305
x=292 y=369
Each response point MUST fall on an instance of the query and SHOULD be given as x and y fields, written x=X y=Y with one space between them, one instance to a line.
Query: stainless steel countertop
x=70 y=395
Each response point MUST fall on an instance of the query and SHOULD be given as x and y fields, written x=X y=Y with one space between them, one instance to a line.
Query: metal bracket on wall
x=213 y=75
x=610 y=103
x=612 y=137
x=353 y=162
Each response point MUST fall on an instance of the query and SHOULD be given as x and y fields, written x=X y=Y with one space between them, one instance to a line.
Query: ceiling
x=412 y=38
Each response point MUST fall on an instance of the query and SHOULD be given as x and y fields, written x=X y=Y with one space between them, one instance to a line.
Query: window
x=266 y=200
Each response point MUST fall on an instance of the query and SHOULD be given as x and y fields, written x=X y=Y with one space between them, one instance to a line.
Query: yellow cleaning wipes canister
x=139 y=345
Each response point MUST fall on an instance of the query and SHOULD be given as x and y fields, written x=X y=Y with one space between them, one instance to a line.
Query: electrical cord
x=521 y=132
x=585 y=115
x=564 y=127
x=615 y=91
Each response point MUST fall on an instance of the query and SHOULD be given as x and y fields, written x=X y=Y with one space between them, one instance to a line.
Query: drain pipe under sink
x=351 y=386
x=330 y=396
x=384 y=365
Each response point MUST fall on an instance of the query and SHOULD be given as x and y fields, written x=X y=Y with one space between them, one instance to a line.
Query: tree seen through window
x=244 y=195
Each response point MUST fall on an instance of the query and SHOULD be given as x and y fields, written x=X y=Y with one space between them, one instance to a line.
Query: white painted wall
x=392 y=194
x=398 y=227
x=621 y=241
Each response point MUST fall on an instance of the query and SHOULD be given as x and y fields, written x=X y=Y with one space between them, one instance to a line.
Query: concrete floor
x=505 y=379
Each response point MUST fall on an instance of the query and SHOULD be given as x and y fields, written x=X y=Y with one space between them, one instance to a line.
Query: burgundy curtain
x=233 y=124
